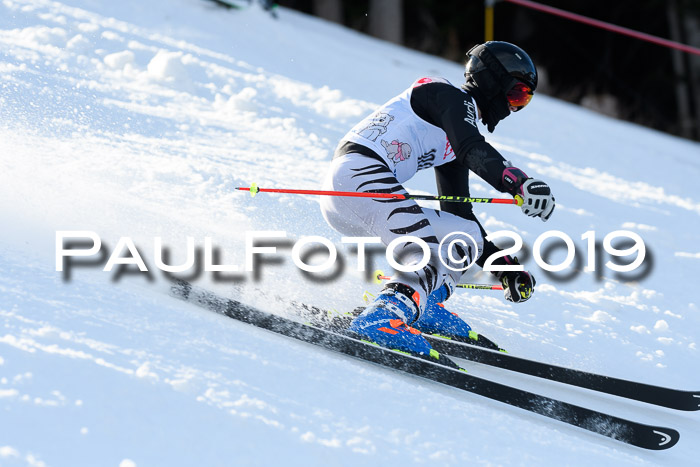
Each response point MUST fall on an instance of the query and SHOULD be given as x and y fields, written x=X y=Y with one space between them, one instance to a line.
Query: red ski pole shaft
x=254 y=189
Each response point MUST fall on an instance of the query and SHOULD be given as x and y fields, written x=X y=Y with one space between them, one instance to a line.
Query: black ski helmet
x=492 y=69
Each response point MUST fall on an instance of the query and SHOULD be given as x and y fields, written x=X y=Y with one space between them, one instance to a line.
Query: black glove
x=518 y=286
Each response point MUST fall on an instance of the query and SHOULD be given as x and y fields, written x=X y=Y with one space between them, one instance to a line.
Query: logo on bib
x=397 y=151
x=449 y=152
x=426 y=160
x=377 y=126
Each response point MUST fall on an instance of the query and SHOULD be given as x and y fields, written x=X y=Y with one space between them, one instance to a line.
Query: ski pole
x=254 y=189
x=381 y=277
x=480 y=286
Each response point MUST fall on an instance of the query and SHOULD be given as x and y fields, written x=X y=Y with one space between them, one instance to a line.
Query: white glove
x=537 y=199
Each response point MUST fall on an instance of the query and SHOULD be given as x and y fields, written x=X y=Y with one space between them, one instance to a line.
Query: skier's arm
x=446 y=107
x=452 y=110
x=452 y=179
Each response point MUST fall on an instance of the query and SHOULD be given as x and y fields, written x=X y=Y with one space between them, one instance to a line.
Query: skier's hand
x=536 y=194
x=537 y=199
x=518 y=286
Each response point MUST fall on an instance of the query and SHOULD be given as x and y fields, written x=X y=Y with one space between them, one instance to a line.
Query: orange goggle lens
x=519 y=96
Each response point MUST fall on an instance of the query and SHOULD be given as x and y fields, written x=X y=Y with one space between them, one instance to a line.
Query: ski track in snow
x=135 y=120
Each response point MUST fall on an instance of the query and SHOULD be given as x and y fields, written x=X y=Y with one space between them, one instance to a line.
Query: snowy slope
x=137 y=119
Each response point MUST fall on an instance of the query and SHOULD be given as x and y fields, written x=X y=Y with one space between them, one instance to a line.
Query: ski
x=626 y=431
x=484 y=351
x=656 y=395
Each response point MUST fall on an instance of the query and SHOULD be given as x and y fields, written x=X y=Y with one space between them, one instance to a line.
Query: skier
x=434 y=124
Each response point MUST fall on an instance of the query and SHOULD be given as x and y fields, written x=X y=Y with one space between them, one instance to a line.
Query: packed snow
x=139 y=119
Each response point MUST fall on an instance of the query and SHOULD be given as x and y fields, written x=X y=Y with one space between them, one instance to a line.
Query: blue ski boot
x=384 y=322
x=437 y=320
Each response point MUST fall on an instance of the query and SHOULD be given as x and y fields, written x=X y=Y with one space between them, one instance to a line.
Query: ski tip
x=688 y=401
x=662 y=438
x=694 y=401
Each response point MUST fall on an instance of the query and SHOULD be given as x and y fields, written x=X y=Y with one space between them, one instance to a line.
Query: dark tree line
x=614 y=74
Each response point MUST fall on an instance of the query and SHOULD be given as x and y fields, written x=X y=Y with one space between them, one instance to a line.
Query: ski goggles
x=519 y=96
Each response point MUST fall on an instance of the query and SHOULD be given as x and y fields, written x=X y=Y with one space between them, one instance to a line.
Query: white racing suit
x=390 y=146
x=393 y=218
